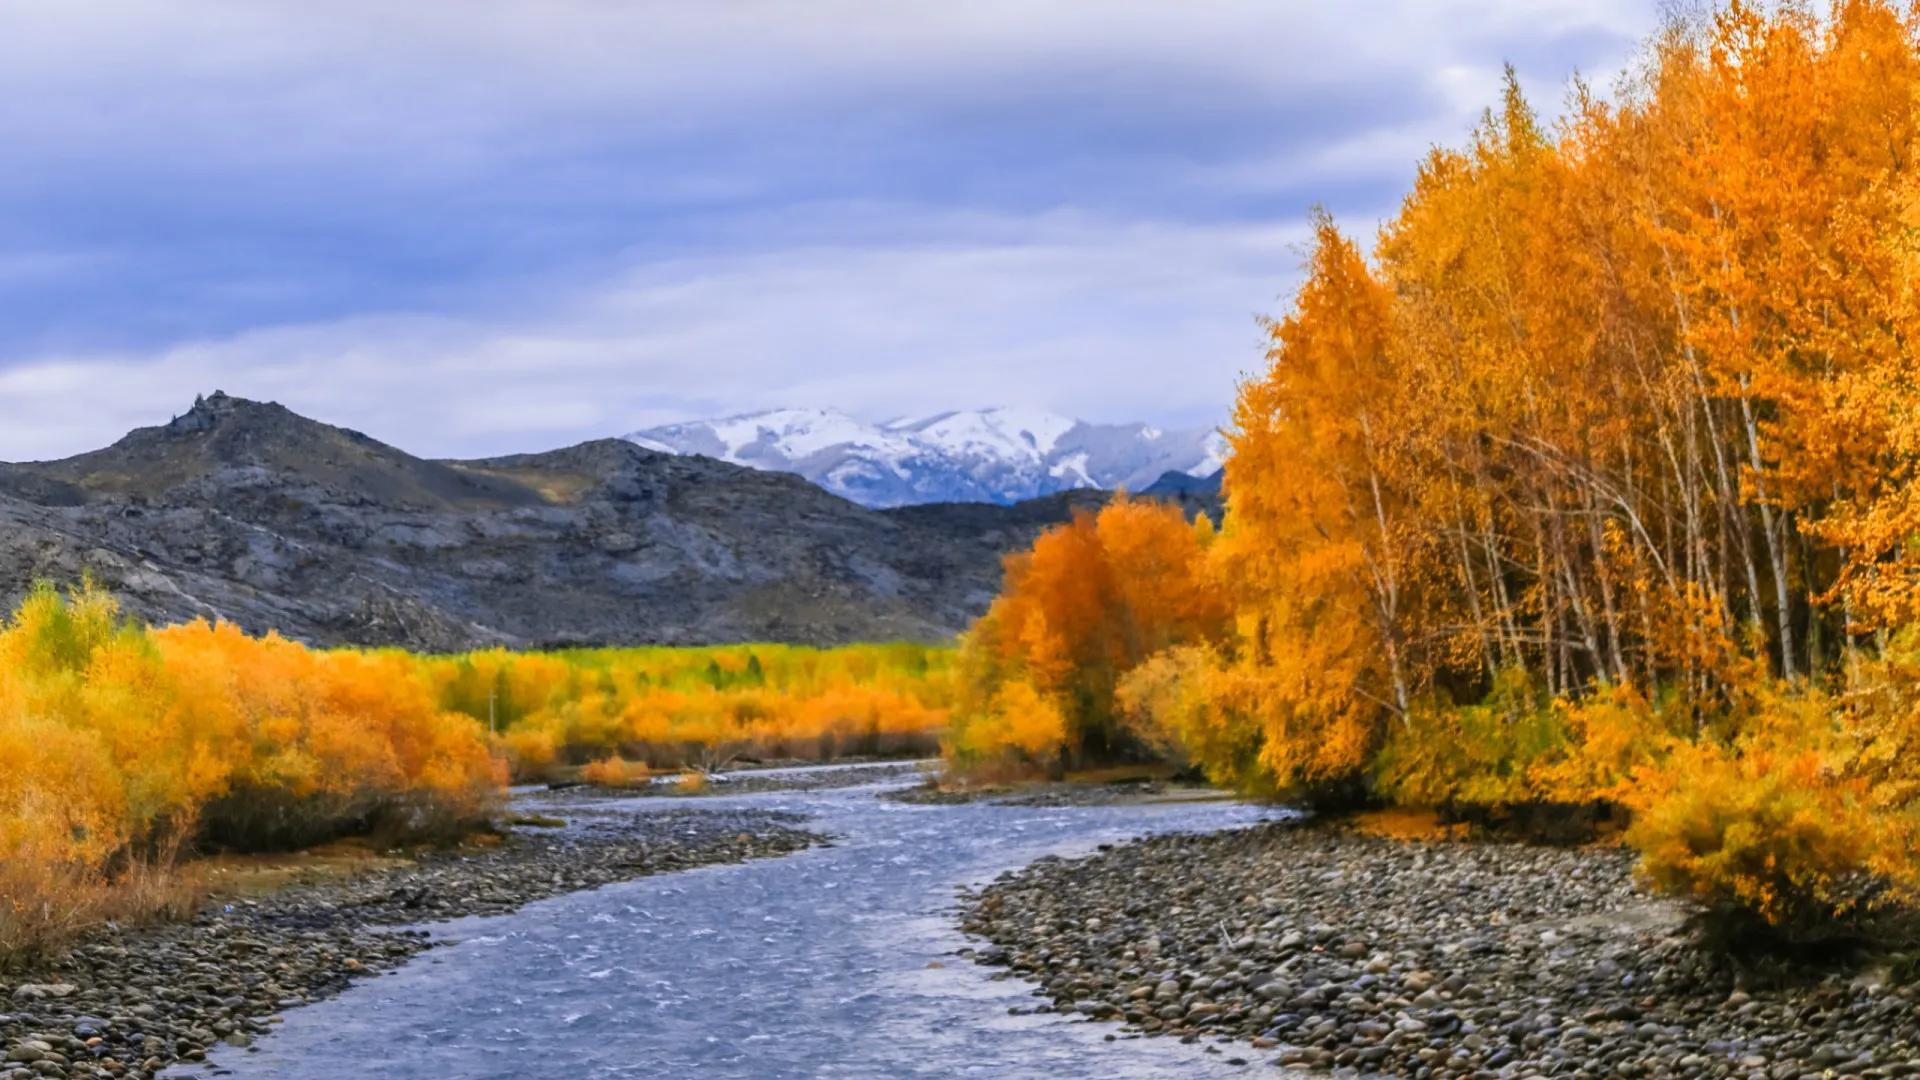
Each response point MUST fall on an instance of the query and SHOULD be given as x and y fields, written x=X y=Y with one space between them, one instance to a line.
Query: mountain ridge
x=996 y=455
x=249 y=512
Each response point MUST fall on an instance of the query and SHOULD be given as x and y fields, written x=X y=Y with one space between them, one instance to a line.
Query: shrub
x=1608 y=737
x=1165 y=705
x=670 y=707
x=1798 y=822
x=44 y=904
x=1020 y=725
x=120 y=744
x=1481 y=754
x=616 y=772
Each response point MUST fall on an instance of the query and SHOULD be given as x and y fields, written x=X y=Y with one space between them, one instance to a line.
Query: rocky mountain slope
x=989 y=455
x=252 y=513
x=1180 y=486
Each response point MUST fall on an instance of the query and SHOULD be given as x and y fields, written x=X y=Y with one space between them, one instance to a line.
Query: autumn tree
x=1090 y=600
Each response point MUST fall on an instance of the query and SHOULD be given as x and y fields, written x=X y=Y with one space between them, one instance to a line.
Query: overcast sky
x=475 y=226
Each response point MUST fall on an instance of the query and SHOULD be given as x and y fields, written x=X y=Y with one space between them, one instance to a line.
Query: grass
x=241 y=877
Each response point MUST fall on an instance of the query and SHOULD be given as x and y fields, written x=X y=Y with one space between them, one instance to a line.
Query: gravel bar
x=1317 y=947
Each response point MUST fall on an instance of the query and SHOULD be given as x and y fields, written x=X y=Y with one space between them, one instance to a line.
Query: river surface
x=818 y=964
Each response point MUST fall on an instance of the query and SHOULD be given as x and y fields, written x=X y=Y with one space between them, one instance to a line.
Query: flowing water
x=819 y=964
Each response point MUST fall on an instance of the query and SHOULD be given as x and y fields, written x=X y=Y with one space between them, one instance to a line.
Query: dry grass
x=1403 y=823
x=1003 y=774
x=1123 y=774
x=43 y=908
x=556 y=487
x=241 y=876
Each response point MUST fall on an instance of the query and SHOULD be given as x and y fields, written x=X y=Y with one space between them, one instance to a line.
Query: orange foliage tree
x=1091 y=600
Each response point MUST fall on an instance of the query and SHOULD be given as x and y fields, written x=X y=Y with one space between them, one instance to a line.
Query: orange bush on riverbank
x=120 y=744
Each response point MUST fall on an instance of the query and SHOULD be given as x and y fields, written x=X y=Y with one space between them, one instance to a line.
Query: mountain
x=988 y=455
x=1173 y=485
x=249 y=512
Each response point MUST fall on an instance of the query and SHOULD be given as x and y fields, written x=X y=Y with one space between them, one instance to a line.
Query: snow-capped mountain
x=983 y=455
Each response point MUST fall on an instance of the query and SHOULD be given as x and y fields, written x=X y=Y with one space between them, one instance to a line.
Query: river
x=835 y=962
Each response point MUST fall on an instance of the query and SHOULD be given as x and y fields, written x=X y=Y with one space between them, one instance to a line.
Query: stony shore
x=1060 y=794
x=759 y=782
x=129 y=1003
x=1317 y=947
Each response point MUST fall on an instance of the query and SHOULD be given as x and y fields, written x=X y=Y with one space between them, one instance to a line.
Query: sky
x=471 y=227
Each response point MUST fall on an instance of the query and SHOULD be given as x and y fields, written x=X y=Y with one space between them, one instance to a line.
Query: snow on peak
x=1014 y=433
x=982 y=455
x=1073 y=469
x=1216 y=450
x=655 y=445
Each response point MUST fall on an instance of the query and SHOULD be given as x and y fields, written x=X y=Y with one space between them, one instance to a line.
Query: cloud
x=1062 y=311
x=490 y=224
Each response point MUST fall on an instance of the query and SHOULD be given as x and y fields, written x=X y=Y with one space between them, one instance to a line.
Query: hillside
x=252 y=513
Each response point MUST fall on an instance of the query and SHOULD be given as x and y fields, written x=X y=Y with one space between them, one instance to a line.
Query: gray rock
x=40 y=991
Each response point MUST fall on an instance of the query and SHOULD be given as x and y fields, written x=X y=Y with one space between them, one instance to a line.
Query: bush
x=1165 y=706
x=121 y=744
x=1798 y=822
x=45 y=904
x=670 y=707
x=616 y=772
x=1481 y=754
x=1021 y=726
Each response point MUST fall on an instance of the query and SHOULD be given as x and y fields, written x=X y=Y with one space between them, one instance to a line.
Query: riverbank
x=1128 y=790
x=1318 y=946
x=753 y=781
x=128 y=1003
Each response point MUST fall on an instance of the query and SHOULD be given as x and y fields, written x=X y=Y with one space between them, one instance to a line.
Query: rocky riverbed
x=1315 y=946
x=129 y=1003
